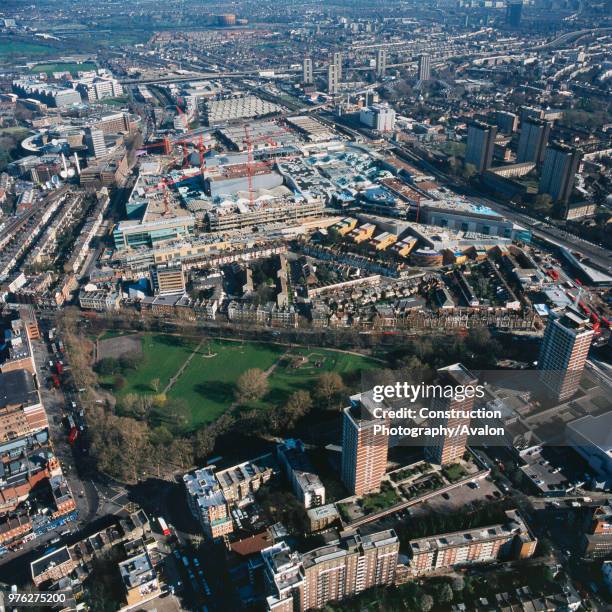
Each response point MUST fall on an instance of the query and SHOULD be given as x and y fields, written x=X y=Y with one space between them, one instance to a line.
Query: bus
x=163 y=525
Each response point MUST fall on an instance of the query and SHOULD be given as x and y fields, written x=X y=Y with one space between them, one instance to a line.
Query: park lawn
x=162 y=356
x=208 y=383
x=63 y=67
x=285 y=379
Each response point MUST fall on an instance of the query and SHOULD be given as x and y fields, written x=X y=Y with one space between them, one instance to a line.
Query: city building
x=50 y=94
x=597 y=531
x=337 y=61
x=533 y=140
x=590 y=438
x=509 y=540
x=514 y=12
x=364 y=446
x=208 y=503
x=341 y=569
x=332 y=79
x=307 y=72
x=449 y=448
x=21 y=411
x=480 y=145
x=506 y=121
x=563 y=354
x=379 y=117
x=168 y=279
x=96 y=145
x=381 y=63
x=559 y=172
x=240 y=481
x=140 y=581
x=99 y=88
x=424 y=67
x=306 y=485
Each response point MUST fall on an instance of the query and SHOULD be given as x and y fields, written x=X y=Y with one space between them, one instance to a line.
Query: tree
x=297 y=406
x=458 y=583
x=469 y=170
x=543 y=203
x=118 y=382
x=444 y=593
x=426 y=603
x=329 y=386
x=251 y=386
x=155 y=384
x=203 y=444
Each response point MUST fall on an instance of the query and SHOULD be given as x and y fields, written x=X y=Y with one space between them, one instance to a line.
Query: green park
x=202 y=374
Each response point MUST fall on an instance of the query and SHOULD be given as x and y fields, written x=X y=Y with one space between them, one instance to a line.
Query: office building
x=480 y=145
x=379 y=117
x=307 y=76
x=508 y=541
x=424 y=67
x=564 y=351
x=514 y=12
x=381 y=63
x=306 y=485
x=94 y=139
x=343 y=568
x=207 y=503
x=168 y=279
x=533 y=140
x=21 y=411
x=559 y=172
x=446 y=449
x=332 y=79
x=590 y=438
x=364 y=446
x=337 y=61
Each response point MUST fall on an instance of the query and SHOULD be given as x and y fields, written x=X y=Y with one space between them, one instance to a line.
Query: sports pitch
x=211 y=368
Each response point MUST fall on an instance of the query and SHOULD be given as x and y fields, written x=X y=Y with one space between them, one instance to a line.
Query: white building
x=379 y=117
x=99 y=88
x=590 y=436
x=307 y=486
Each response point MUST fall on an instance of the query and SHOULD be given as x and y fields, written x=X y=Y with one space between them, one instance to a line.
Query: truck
x=163 y=526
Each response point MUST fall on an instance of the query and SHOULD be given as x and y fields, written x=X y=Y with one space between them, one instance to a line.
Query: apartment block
x=208 y=503
x=306 y=485
x=364 y=447
x=564 y=352
x=447 y=449
x=344 y=568
x=509 y=540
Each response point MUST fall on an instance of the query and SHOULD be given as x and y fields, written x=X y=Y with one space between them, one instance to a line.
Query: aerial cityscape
x=306 y=305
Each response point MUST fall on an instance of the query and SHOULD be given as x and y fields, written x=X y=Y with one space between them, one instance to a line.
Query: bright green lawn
x=72 y=67
x=162 y=356
x=207 y=384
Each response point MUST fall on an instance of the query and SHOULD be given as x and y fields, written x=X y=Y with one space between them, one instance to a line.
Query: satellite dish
x=55 y=180
x=54 y=142
x=71 y=172
x=63 y=174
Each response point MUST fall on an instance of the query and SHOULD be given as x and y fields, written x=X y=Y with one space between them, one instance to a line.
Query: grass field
x=207 y=384
x=63 y=67
x=12 y=48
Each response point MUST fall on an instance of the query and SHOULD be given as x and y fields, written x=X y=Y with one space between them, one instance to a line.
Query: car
x=196 y=562
x=445 y=495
